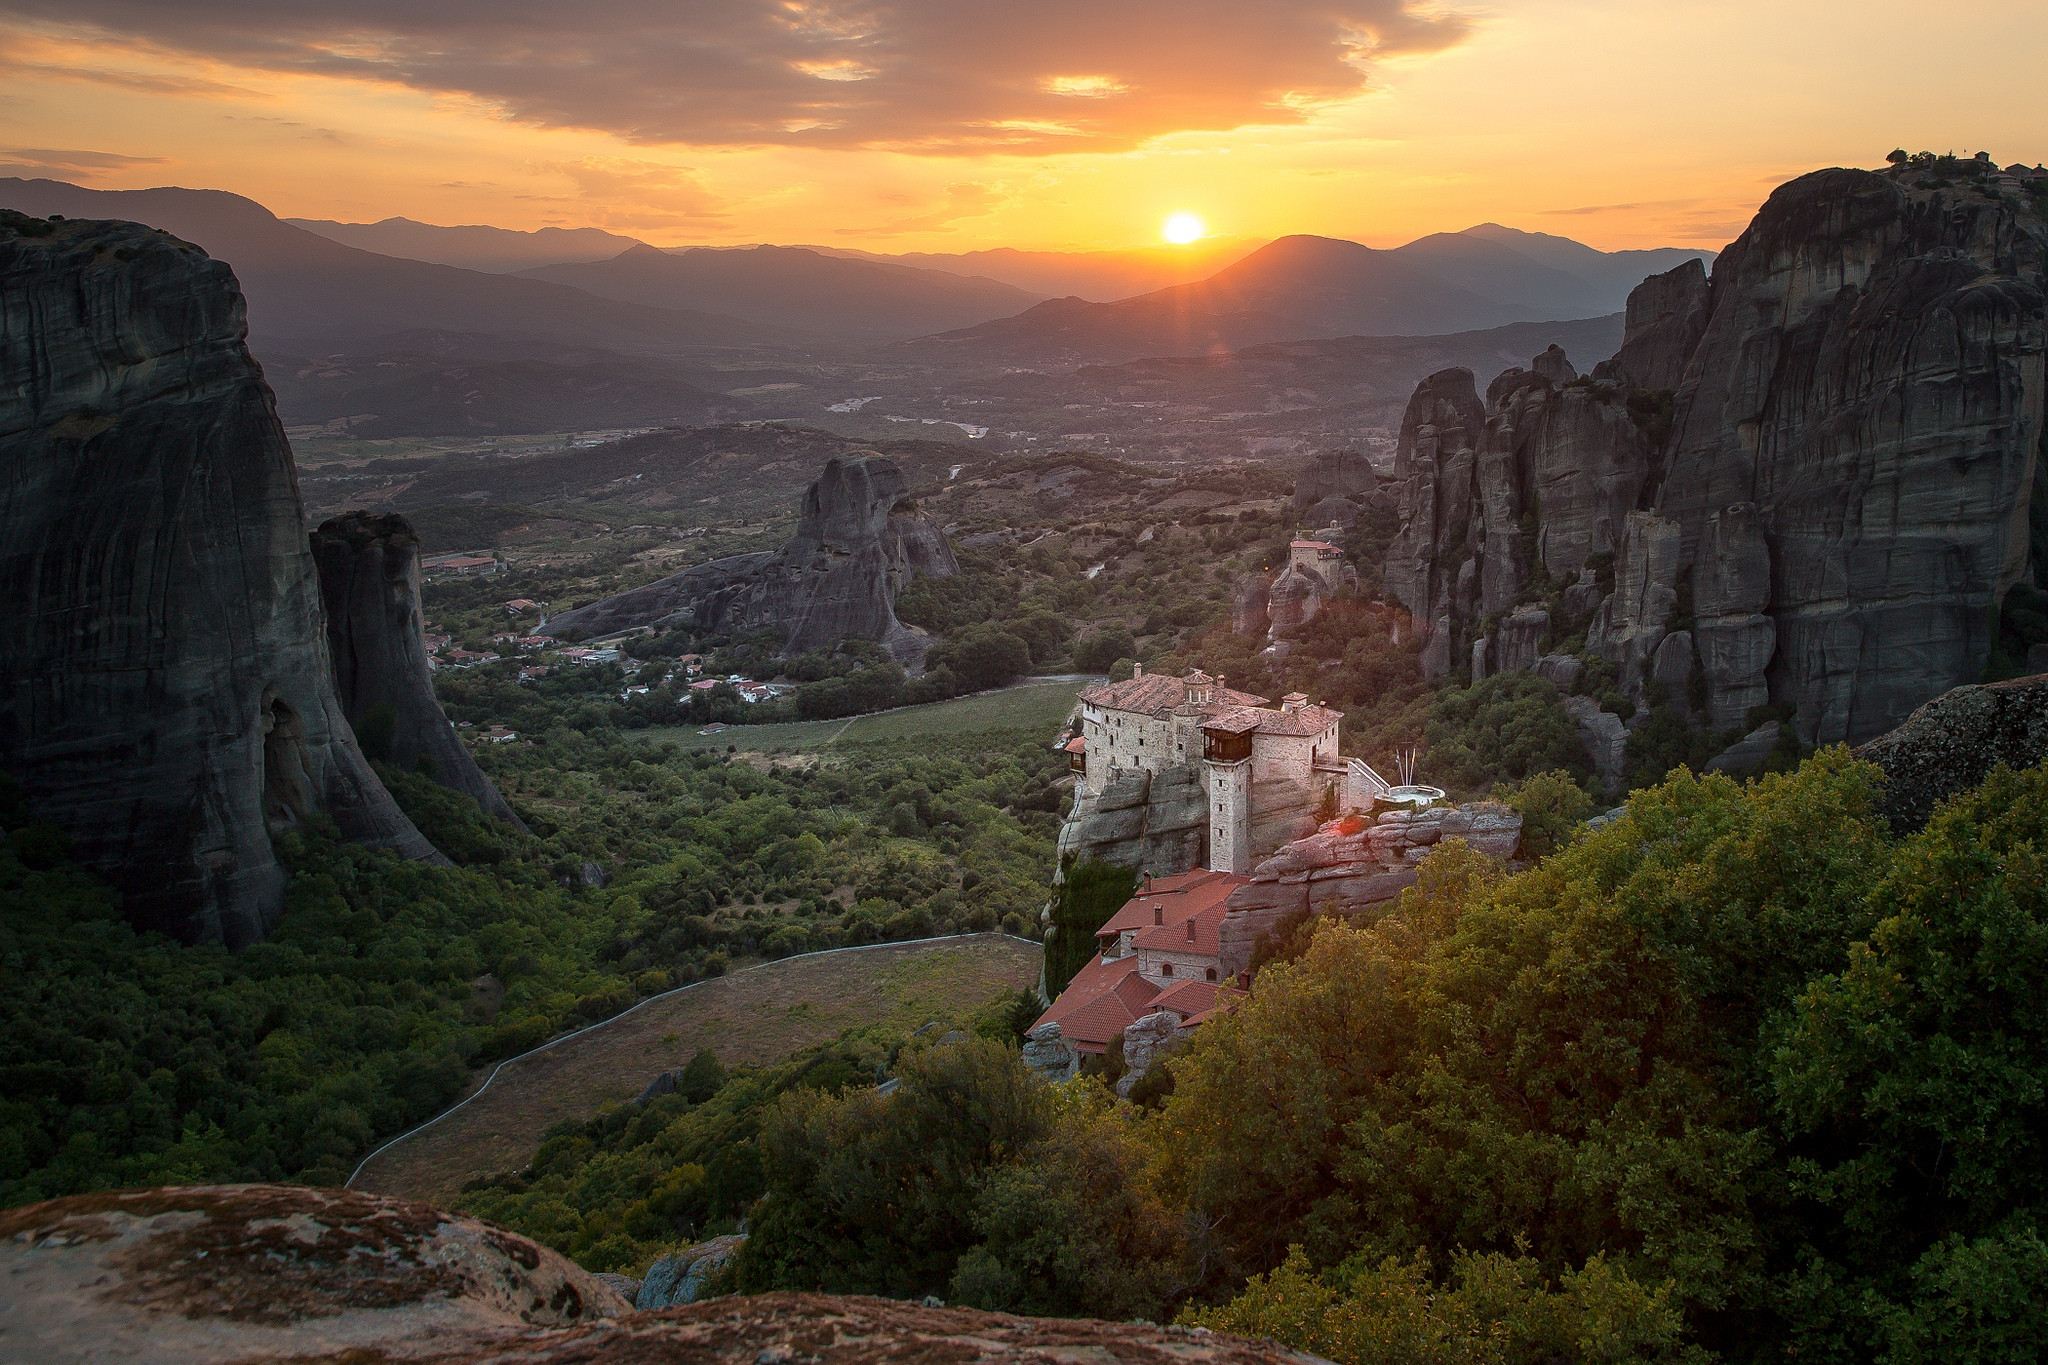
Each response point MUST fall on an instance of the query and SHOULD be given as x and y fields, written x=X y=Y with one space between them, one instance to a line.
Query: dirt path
x=756 y=1016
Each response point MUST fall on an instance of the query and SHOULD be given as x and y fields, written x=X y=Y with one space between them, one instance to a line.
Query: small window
x=1210 y=974
x=1166 y=969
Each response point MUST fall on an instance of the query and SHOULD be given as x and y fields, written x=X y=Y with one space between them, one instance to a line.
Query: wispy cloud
x=916 y=75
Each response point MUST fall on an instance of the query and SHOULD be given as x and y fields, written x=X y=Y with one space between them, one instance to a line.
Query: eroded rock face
x=1156 y=820
x=1331 y=475
x=1352 y=866
x=167 y=693
x=860 y=540
x=370 y=584
x=1842 y=426
x=681 y=1277
x=1952 y=743
x=1870 y=379
x=246 y=1272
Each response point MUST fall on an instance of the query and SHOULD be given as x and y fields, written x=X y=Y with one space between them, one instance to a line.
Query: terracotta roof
x=1187 y=999
x=1173 y=936
x=1159 y=693
x=1309 y=720
x=1241 y=721
x=1076 y=745
x=1178 y=897
x=1100 y=1002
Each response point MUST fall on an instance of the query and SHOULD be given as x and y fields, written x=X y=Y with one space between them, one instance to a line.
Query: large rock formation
x=214 y=1275
x=1324 y=489
x=370 y=583
x=1952 y=743
x=1354 y=865
x=860 y=540
x=1142 y=819
x=210 y=1273
x=168 y=697
x=1817 y=467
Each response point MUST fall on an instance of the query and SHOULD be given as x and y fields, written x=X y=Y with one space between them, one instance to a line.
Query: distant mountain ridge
x=1307 y=288
x=474 y=246
x=301 y=285
x=797 y=288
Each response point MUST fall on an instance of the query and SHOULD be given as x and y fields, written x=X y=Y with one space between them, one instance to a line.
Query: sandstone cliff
x=860 y=540
x=168 y=697
x=1805 y=482
x=209 y=1275
x=370 y=586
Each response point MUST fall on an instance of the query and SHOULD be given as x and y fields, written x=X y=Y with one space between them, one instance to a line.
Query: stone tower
x=1227 y=770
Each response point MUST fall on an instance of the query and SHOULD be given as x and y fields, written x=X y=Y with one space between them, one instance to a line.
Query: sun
x=1182 y=228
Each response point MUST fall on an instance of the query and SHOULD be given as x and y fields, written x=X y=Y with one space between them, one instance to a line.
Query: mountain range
x=472 y=247
x=1306 y=287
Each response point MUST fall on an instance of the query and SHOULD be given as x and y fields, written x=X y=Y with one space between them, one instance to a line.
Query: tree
x=1096 y=653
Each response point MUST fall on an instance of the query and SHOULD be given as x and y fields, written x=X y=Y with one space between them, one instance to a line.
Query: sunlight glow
x=1182 y=228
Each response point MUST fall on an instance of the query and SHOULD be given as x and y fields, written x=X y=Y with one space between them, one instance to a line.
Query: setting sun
x=1182 y=228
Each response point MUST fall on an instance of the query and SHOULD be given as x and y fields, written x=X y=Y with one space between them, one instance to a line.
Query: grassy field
x=748 y=1018
x=1028 y=706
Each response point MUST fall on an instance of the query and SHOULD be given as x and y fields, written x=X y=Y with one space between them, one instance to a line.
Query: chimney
x=1159 y=914
x=1191 y=931
x=1137 y=670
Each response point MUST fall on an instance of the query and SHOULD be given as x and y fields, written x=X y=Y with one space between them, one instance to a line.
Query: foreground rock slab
x=215 y=1273
x=1952 y=743
x=826 y=1329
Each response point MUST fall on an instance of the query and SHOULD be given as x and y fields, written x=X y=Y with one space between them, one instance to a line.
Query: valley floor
x=751 y=1016
x=1037 y=704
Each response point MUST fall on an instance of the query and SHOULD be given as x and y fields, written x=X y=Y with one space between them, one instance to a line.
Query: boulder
x=1554 y=366
x=166 y=692
x=370 y=586
x=1048 y=1053
x=1145 y=1040
x=859 y=540
x=1951 y=743
x=201 y=1274
x=1560 y=670
x=679 y=1277
x=1331 y=476
x=1248 y=605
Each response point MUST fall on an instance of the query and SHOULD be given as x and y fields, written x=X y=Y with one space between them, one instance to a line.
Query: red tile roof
x=1159 y=694
x=1178 y=897
x=1103 y=998
x=1309 y=720
x=1173 y=936
x=1187 y=999
x=1075 y=745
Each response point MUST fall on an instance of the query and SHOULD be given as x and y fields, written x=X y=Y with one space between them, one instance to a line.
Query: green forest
x=1739 y=1075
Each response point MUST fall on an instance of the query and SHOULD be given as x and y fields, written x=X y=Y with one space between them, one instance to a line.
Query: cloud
x=74 y=164
x=637 y=194
x=919 y=75
x=968 y=200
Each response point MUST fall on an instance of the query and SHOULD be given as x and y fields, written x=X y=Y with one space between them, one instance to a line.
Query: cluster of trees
x=128 y=1059
x=1738 y=1074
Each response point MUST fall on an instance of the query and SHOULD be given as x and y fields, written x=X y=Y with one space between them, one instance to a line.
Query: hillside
x=796 y=288
x=750 y=1018
x=473 y=247
x=302 y=286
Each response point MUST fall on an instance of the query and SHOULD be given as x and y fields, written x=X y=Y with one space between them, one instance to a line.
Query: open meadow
x=1035 y=705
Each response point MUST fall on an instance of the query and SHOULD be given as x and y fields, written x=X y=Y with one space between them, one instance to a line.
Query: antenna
x=1404 y=759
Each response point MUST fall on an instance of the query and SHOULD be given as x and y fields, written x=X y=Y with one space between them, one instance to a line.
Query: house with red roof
x=1160 y=951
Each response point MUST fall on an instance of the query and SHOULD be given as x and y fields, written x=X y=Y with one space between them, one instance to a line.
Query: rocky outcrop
x=1353 y=865
x=859 y=541
x=1666 y=315
x=1048 y=1053
x=1952 y=743
x=682 y=1276
x=1146 y=1040
x=1819 y=465
x=216 y=1273
x=225 y=1275
x=1605 y=738
x=370 y=584
x=1249 y=603
x=1870 y=379
x=168 y=697
x=1140 y=818
x=1324 y=489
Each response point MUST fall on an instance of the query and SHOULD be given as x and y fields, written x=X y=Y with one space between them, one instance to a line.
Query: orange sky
x=949 y=125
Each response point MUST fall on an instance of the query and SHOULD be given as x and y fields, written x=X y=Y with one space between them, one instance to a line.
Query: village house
x=521 y=604
x=1160 y=952
x=1262 y=769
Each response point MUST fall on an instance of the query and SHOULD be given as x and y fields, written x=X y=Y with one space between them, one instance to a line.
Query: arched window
x=1210 y=974
x=1166 y=969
